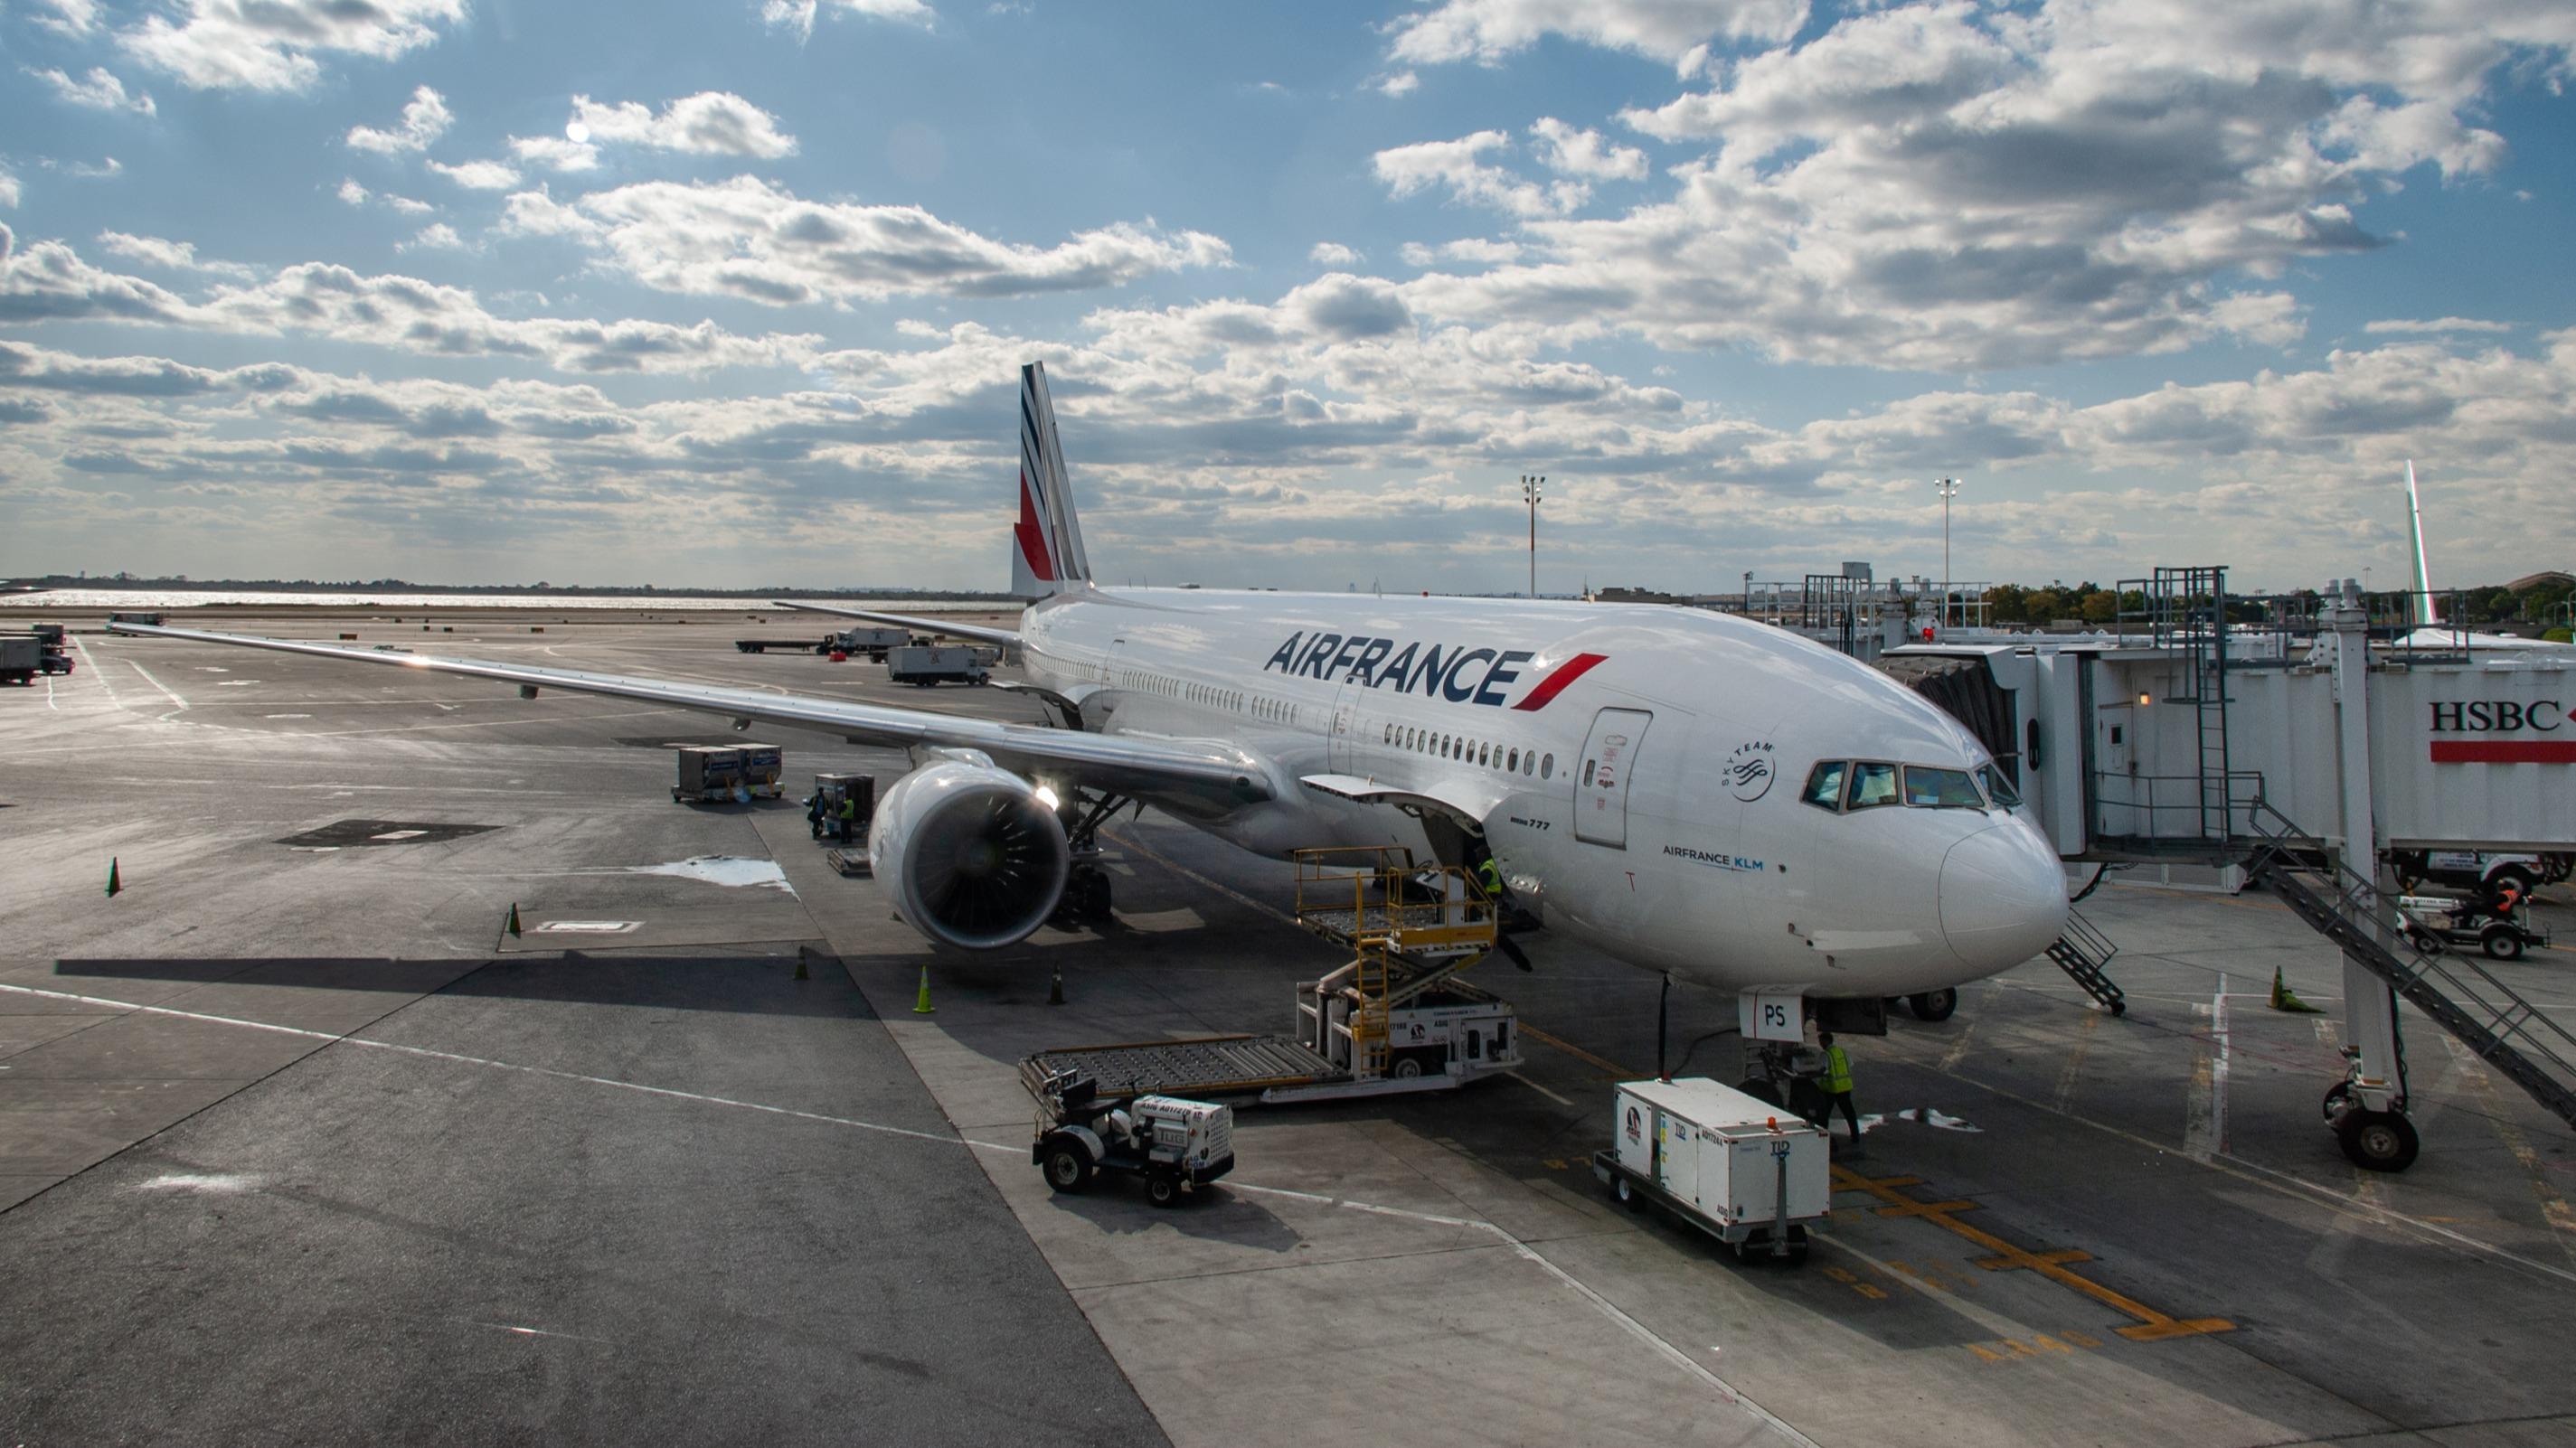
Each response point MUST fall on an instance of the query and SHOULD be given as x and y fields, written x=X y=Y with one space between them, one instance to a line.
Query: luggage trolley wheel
x=1626 y=1191
x=1067 y=1165
x=1163 y=1191
x=2501 y=942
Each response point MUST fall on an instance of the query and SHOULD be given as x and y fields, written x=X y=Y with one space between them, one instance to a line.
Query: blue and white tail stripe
x=1046 y=543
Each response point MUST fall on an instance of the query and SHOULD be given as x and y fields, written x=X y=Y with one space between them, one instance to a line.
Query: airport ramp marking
x=1520 y=1249
x=2151 y=1326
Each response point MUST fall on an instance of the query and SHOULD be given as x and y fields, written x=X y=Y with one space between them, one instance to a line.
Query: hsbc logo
x=1453 y=672
x=2488 y=717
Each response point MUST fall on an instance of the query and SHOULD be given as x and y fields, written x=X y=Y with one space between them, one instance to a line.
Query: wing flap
x=1465 y=801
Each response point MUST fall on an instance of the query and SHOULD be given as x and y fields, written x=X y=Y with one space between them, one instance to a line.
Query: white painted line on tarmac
x=1541 y=1090
x=49 y=695
x=1519 y=1248
x=156 y=683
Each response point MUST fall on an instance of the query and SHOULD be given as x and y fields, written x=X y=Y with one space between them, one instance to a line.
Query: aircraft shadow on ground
x=738 y=985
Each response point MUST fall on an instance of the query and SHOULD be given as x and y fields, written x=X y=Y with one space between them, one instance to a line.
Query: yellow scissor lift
x=1395 y=1018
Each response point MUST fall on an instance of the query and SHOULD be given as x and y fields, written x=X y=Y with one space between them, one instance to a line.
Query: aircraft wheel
x=1096 y=894
x=2501 y=942
x=2378 y=1140
x=1068 y=1165
x=2338 y=1099
x=1163 y=1191
x=1934 y=1005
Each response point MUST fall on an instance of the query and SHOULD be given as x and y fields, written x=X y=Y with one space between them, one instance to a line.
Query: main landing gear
x=1087 y=892
x=2377 y=1138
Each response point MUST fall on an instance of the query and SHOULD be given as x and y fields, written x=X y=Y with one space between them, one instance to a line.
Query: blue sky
x=734 y=293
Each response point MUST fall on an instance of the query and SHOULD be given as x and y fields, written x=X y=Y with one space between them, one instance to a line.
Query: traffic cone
x=2286 y=999
x=514 y=917
x=921 y=1003
x=112 y=886
x=1055 y=988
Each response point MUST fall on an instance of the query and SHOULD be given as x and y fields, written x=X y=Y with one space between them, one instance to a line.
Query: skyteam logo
x=1453 y=672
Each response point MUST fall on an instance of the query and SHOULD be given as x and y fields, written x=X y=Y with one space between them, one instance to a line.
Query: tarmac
x=298 y=1144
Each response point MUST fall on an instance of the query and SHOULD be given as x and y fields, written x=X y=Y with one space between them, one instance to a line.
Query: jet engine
x=975 y=859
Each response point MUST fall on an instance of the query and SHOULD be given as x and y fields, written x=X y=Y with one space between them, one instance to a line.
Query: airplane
x=1685 y=791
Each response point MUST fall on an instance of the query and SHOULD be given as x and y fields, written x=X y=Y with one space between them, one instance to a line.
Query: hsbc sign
x=2473 y=725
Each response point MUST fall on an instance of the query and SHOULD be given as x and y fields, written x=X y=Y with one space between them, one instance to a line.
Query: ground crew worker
x=1837 y=1086
x=814 y=813
x=1490 y=875
x=849 y=818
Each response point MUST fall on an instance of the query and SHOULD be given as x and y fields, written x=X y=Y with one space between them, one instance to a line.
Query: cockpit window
x=1825 y=784
x=1872 y=785
x=1929 y=788
x=2000 y=788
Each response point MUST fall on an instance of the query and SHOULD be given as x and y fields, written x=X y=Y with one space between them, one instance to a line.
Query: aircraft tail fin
x=2425 y=616
x=1046 y=543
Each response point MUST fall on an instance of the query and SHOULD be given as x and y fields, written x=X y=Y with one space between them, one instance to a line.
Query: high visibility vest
x=1837 y=1070
x=1490 y=875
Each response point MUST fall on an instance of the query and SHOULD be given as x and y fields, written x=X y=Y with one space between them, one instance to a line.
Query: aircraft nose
x=2003 y=896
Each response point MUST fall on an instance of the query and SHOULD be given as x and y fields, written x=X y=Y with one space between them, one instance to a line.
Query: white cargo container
x=928 y=664
x=1746 y=1172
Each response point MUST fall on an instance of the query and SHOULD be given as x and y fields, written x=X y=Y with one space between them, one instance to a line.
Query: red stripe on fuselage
x=2504 y=751
x=1032 y=542
x=1562 y=675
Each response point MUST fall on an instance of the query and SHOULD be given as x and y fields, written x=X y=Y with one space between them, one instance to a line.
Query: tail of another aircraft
x=1046 y=545
x=2425 y=617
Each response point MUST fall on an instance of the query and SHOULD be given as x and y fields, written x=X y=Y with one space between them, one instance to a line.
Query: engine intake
x=974 y=858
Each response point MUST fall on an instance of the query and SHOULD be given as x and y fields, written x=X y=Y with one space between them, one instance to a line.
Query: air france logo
x=1456 y=673
x=1749 y=772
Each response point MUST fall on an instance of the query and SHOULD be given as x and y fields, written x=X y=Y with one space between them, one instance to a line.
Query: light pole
x=1949 y=488
x=1529 y=494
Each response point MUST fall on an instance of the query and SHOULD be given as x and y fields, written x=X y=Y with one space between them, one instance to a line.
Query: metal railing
x=1364 y=894
x=2491 y=1017
x=2152 y=799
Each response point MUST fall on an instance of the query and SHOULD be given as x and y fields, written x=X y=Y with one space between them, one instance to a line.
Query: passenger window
x=1547 y=766
x=1529 y=763
x=1825 y=784
x=1872 y=785
x=1930 y=788
x=1480 y=753
x=1998 y=788
x=1512 y=762
x=1589 y=766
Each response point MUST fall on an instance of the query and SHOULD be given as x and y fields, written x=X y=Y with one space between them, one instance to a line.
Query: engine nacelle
x=973 y=857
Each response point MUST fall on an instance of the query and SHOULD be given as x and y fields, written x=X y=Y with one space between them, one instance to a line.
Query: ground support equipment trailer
x=22 y=658
x=849 y=643
x=1179 y=1147
x=928 y=665
x=1737 y=1168
x=708 y=773
x=1395 y=1019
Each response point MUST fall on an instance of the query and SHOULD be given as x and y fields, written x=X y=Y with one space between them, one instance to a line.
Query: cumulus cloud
x=1573 y=151
x=555 y=153
x=74 y=18
x=437 y=236
x=166 y=254
x=99 y=90
x=277 y=45
x=479 y=175
x=1333 y=253
x=8 y=187
x=2439 y=324
x=1401 y=83
x=424 y=120
x=710 y=123
x=798 y=15
x=1459 y=168
x=1950 y=187
x=1666 y=30
x=750 y=239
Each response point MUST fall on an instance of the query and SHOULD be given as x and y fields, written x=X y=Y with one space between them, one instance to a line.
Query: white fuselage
x=1638 y=771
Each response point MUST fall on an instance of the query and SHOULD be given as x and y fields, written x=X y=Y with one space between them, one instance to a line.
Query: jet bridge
x=2304 y=747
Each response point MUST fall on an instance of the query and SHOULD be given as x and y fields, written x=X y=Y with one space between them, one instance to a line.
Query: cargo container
x=21 y=658
x=1738 y=1168
x=926 y=665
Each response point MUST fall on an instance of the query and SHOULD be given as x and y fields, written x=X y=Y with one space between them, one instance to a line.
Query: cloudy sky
x=733 y=292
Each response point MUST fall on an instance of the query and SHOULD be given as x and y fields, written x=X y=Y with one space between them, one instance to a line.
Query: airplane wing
x=1008 y=638
x=1198 y=772
x=1465 y=801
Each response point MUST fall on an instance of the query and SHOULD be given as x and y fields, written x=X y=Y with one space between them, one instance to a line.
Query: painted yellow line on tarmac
x=2151 y=1326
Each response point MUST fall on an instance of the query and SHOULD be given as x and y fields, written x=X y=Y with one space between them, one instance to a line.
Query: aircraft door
x=1601 y=780
x=1341 y=743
